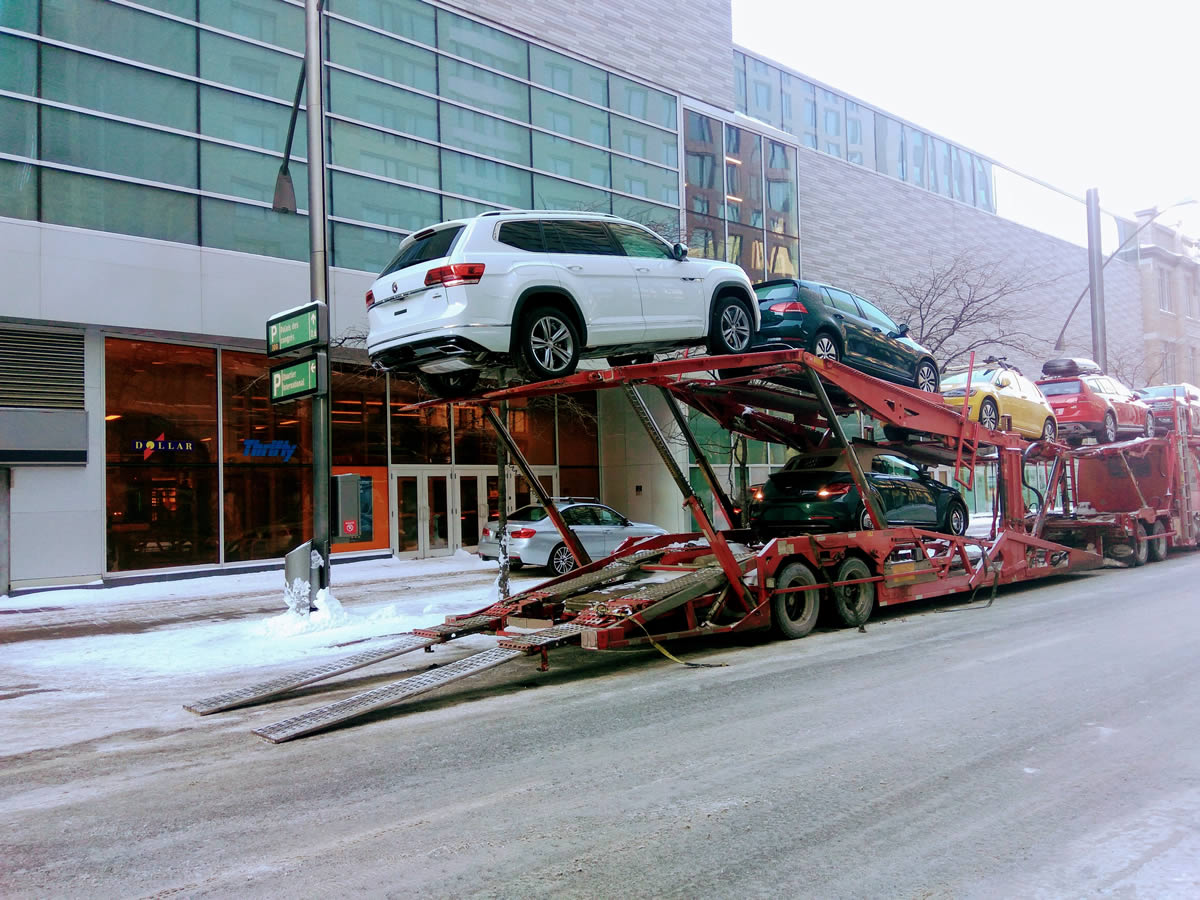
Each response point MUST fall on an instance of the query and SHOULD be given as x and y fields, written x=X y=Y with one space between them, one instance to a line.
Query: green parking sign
x=294 y=380
x=295 y=329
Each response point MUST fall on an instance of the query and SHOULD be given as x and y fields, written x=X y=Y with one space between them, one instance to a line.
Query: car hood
x=913 y=345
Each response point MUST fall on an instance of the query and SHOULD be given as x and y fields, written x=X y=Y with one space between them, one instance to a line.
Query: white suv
x=542 y=289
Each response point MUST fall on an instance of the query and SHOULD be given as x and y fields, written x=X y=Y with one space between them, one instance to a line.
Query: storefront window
x=268 y=463
x=161 y=443
x=418 y=436
x=579 y=447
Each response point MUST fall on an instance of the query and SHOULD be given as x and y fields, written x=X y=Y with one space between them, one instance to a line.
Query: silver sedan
x=534 y=541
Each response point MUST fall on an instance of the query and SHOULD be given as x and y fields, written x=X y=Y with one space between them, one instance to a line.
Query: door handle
x=839 y=316
x=575 y=268
x=643 y=269
x=877 y=330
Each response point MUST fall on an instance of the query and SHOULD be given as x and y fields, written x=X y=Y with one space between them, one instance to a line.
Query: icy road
x=1043 y=747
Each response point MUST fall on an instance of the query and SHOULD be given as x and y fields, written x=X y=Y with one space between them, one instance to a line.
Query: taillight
x=487 y=532
x=835 y=490
x=370 y=299
x=791 y=306
x=522 y=533
x=457 y=273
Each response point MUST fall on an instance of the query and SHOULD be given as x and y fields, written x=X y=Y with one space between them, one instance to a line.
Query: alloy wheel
x=826 y=348
x=989 y=415
x=735 y=327
x=927 y=379
x=551 y=343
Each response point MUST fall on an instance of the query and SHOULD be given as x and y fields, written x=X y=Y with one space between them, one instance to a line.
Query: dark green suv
x=834 y=324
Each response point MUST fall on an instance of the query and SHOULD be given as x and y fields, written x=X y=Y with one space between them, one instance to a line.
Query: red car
x=1174 y=402
x=1088 y=402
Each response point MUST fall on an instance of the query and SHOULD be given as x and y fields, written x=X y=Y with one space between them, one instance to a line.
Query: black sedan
x=814 y=492
x=834 y=324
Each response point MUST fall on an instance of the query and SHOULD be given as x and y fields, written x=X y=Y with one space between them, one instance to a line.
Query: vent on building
x=41 y=369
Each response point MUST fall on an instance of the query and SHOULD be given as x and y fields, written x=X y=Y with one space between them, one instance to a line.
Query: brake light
x=522 y=533
x=487 y=532
x=370 y=299
x=458 y=273
x=835 y=490
x=791 y=306
x=758 y=494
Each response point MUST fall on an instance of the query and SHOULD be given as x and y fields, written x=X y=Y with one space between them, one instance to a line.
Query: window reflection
x=763 y=92
x=860 y=134
x=781 y=189
x=889 y=147
x=704 y=170
x=915 y=143
x=829 y=116
x=705 y=236
x=799 y=109
x=746 y=248
x=743 y=177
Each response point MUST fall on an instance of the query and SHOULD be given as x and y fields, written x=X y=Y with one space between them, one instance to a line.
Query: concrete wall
x=128 y=285
x=680 y=45
x=858 y=228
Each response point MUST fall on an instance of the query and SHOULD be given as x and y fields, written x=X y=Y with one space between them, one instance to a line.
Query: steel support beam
x=719 y=495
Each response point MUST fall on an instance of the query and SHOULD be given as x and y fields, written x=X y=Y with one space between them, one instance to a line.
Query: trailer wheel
x=794 y=615
x=1157 y=544
x=854 y=601
x=562 y=560
x=1141 y=546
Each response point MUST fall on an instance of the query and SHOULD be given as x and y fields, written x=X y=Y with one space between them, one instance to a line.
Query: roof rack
x=545 y=212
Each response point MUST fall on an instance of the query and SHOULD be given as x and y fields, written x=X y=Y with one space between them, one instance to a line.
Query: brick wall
x=680 y=45
x=859 y=228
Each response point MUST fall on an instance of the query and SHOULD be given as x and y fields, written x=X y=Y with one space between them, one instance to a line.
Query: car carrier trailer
x=718 y=581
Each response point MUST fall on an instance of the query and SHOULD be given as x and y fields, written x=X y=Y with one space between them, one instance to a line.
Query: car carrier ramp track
x=264 y=689
x=397 y=692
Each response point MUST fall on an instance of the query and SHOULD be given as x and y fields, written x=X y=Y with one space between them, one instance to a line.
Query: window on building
x=940 y=169
x=1194 y=296
x=739 y=81
x=831 y=108
x=860 y=135
x=1165 y=301
x=889 y=147
x=962 y=186
x=780 y=171
x=160 y=414
x=916 y=145
x=743 y=177
x=568 y=75
x=1169 y=366
x=763 y=92
x=799 y=109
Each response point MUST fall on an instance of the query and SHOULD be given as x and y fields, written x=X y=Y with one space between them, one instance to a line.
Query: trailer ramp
x=391 y=694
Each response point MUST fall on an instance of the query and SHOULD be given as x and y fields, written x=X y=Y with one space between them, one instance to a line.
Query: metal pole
x=865 y=489
x=1096 y=263
x=318 y=269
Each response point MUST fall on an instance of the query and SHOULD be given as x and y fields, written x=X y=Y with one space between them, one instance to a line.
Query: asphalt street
x=1045 y=746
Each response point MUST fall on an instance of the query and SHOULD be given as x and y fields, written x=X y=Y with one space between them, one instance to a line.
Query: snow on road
x=221 y=645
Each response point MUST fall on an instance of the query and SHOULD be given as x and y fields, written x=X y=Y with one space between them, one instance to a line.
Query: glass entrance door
x=422 y=520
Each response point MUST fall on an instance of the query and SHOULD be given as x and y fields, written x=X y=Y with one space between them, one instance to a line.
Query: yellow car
x=1001 y=390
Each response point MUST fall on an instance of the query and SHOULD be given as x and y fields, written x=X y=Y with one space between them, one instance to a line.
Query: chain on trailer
x=712 y=581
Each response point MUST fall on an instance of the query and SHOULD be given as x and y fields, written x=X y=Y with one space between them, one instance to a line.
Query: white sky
x=1077 y=93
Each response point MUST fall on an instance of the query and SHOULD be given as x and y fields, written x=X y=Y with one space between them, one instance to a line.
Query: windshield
x=782 y=290
x=1058 y=388
x=1165 y=390
x=959 y=379
x=528 y=514
x=428 y=245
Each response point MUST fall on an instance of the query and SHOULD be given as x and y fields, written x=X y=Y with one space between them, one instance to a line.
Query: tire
x=635 y=359
x=515 y=566
x=825 y=346
x=895 y=433
x=1108 y=431
x=1157 y=545
x=926 y=377
x=989 y=414
x=561 y=561
x=957 y=518
x=1141 y=548
x=1050 y=430
x=731 y=327
x=864 y=520
x=449 y=385
x=794 y=615
x=547 y=344
x=854 y=602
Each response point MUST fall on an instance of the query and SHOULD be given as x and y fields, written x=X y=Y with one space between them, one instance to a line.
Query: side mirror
x=902 y=330
x=679 y=251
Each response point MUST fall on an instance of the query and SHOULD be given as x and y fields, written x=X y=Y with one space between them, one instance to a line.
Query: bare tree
x=1127 y=361
x=965 y=303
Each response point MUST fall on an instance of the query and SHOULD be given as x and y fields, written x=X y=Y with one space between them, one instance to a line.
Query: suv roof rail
x=542 y=212
x=576 y=499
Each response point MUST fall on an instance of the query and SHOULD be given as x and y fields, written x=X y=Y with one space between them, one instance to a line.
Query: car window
x=1095 y=383
x=579 y=515
x=606 y=516
x=563 y=236
x=876 y=316
x=528 y=514
x=842 y=301
x=812 y=462
x=426 y=245
x=522 y=235
x=893 y=465
x=1059 y=388
x=636 y=242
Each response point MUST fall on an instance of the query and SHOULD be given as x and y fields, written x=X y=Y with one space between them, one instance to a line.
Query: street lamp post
x=318 y=265
x=1060 y=344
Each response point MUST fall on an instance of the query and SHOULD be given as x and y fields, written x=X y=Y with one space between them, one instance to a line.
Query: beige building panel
x=642 y=39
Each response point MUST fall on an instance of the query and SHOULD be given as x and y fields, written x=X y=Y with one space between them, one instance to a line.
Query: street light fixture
x=1060 y=344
